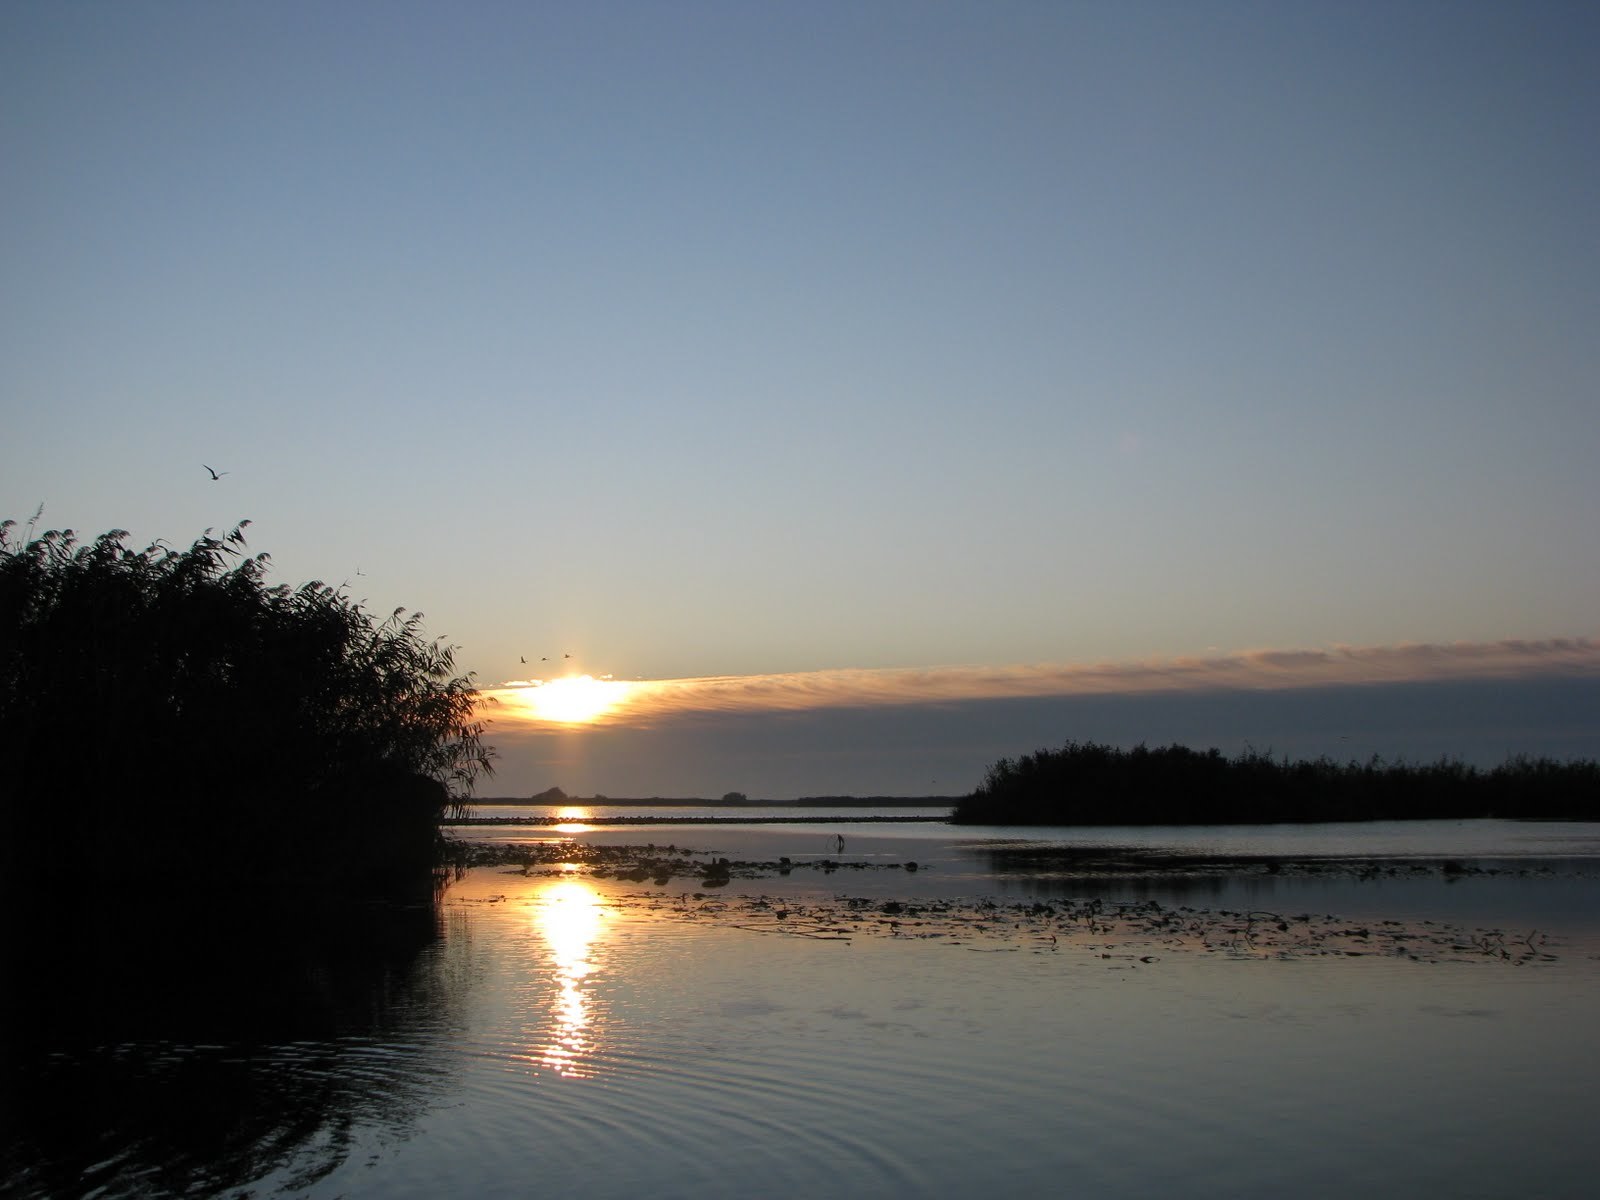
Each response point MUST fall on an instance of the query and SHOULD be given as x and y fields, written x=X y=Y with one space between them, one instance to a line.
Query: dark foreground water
x=1005 y=1019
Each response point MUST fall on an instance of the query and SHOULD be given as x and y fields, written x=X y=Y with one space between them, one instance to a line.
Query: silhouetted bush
x=1086 y=783
x=169 y=720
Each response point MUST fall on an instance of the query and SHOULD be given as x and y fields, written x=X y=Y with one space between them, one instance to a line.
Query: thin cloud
x=650 y=702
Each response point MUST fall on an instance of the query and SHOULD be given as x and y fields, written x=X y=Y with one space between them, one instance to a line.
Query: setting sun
x=574 y=700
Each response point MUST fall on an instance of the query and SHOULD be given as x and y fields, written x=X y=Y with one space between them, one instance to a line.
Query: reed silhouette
x=172 y=722
x=1087 y=783
x=218 y=838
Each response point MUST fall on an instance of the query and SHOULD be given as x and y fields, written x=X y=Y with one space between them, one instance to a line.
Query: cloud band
x=649 y=702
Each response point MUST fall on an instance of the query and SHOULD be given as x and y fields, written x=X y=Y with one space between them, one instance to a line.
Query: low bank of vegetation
x=1086 y=783
x=173 y=723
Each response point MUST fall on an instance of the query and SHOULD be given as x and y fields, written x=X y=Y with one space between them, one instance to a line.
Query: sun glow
x=574 y=699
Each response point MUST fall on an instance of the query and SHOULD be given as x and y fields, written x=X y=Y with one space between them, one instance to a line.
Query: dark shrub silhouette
x=1086 y=783
x=219 y=844
x=170 y=721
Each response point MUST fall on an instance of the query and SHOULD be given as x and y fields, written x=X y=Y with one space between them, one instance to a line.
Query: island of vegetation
x=176 y=726
x=1087 y=783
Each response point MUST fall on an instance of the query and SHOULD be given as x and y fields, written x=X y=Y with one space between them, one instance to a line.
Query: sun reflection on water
x=572 y=819
x=569 y=915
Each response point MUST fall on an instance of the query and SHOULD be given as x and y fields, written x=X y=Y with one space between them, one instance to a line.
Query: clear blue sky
x=725 y=338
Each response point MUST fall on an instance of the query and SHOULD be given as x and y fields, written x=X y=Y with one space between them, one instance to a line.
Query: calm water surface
x=567 y=1034
x=1369 y=839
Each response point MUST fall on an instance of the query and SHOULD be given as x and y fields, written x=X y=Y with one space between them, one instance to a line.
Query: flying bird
x=215 y=474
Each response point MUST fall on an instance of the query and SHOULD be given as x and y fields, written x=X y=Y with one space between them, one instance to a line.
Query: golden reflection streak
x=569 y=915
x=572 y=820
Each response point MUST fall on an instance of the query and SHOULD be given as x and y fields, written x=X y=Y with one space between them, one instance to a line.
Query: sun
x=575 y=699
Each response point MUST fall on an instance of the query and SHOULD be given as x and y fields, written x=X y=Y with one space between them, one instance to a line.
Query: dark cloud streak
x=944 y=747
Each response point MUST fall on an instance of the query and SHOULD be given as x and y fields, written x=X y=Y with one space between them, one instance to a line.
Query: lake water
x=1008 y=1018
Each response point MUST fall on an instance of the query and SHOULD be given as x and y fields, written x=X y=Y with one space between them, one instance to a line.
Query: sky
x=884 y=388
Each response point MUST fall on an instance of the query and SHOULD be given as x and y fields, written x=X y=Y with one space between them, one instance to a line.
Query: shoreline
x=602 y=823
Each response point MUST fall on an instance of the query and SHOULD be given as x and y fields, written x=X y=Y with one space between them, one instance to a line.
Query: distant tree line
x=1086 y=783
x=870 y=801
x=169 y=721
